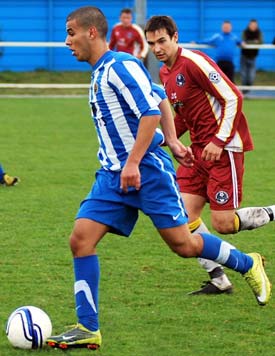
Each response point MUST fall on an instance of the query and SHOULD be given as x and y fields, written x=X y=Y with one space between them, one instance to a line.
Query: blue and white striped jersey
x=120 y=94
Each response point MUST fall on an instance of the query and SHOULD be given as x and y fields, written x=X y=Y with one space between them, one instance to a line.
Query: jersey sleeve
x=144 y=48
x=209 y=77
x=112 y=42
x=158 y=93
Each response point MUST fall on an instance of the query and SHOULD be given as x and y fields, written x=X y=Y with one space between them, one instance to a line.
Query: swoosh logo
x=67 y=337
x=176 y=217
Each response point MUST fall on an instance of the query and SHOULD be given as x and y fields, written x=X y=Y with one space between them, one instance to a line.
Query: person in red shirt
x=128 y=37
x=209 y=106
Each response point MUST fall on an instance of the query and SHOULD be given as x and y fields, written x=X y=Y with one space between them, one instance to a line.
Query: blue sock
x=227 y=255
x=1 y=173
x=87 y=273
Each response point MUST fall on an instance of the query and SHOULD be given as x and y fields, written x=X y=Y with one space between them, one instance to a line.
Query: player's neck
x=98 y=52
x=172 y=59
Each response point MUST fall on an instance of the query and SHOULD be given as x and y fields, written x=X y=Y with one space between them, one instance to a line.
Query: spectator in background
x=7 y=180
x=128 y=37
x=251 y=35
x=225 y=43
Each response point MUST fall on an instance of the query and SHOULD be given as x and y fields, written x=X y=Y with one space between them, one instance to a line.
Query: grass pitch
x=144 y=307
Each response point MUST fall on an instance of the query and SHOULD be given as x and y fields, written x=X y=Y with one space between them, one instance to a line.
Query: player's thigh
x=159 y=195
x=225 y=184
x=118 y=216
x=194 y=205
x=193 y=181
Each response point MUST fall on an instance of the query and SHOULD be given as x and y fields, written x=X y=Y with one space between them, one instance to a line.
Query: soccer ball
x=28 y=327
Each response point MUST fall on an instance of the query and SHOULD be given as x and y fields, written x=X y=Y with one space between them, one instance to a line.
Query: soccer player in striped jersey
x=135 y=174
x=209 y=106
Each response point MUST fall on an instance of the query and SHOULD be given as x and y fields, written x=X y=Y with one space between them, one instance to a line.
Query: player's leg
x=84 y=239
x=219 y=282
x=225 y=194
x=99 y=213
x=193 y=191
x=211 y=247
x=170 y=218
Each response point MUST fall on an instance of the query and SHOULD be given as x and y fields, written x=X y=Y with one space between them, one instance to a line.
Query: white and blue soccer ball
x=28 y=327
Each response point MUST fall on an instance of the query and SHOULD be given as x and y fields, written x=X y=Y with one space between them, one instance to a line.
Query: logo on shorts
x=214 y=77
x=221 y=197
x=180 y=80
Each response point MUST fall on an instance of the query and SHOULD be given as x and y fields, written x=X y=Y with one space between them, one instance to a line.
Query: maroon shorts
x=219 y=182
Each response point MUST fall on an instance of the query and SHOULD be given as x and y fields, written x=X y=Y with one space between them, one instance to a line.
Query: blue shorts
x=158 y=197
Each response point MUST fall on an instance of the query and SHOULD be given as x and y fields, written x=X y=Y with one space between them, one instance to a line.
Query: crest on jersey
x=95 y=88
x=214 y=77
x=180 y=80
x=222 y=197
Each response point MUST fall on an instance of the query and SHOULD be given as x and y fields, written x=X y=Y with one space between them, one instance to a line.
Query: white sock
x=254 y=217
x=221 y=281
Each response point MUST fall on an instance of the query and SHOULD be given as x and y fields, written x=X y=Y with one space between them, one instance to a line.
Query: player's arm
x=144 y=47
x=181 y=153
x=130 y=175
x=112 y=42
x=133 y=85
x=211 y=79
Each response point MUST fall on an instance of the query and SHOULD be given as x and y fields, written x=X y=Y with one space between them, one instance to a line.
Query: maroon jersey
x=206 y=102
x=126 y=39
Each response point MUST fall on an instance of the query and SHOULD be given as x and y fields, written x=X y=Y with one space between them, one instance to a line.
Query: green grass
x=144 y=307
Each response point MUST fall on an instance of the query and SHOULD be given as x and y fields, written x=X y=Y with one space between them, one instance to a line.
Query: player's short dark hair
x=126 y=10
x=87 y=16
x=156 y=23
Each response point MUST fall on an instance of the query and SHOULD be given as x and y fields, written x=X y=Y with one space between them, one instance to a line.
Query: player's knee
x=74 y=243
x=80 y=245
x=223 y=226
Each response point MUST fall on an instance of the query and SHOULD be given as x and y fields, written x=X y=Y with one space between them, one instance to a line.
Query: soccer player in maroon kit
x=209 y=106
x=128 y=37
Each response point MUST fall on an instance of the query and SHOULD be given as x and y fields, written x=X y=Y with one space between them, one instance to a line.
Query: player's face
x=163 y=46
x=126 y=19
x=78 y=40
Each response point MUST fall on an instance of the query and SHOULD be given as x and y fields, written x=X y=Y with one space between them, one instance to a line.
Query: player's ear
x=93 y=32
x=176 y=37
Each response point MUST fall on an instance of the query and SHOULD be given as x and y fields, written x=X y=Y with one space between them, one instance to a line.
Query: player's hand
x=130 y=177
x=182 y=154
x=211 y=152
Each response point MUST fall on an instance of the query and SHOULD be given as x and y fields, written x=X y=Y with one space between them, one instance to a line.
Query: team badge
x=214 y=77
x=221 y=197
x=95 y=88
x=180 y=80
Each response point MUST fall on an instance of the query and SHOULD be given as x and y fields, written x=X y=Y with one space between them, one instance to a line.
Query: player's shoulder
x=123 y=59
x=117 y=26
x=137 y=28
x=193 y=56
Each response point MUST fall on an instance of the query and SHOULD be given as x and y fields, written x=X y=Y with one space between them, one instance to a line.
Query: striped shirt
x=120 y=94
